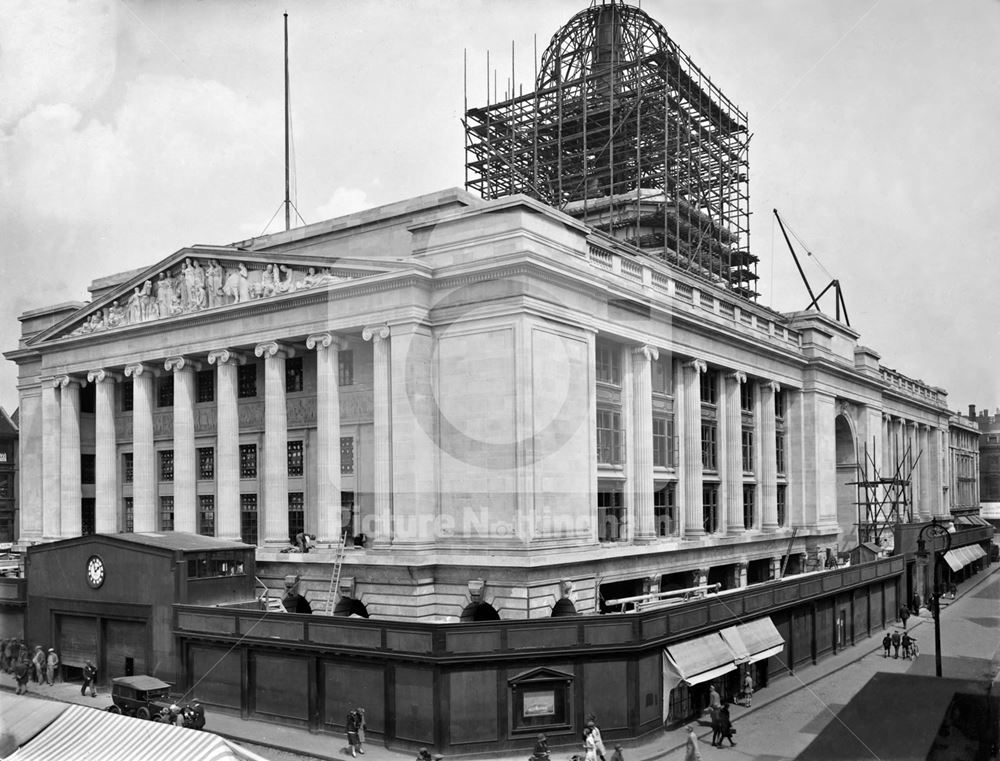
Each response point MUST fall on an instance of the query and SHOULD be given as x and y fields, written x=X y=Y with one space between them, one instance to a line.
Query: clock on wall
x=95 y=571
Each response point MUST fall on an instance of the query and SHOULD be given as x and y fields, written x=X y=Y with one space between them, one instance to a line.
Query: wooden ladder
x=338 y=563
x=271 y=604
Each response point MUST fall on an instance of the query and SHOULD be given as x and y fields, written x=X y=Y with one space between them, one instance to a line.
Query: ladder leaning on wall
x=335 y=575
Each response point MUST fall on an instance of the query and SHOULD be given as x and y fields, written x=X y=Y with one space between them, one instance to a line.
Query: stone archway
x=479 y=611
x=846 y=478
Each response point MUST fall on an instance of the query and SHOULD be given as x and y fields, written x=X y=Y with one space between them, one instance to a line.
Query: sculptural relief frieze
x=251 y=414
x=193 y=287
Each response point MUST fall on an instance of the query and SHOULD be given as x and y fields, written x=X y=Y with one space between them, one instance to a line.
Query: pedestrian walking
x=4 y=656
x=21 y=670
x=953 y=590
x=590 y=746
x=728 y=730
x=691 y=751
x=886 y=644
x=747 y=688
x=89 y=679
x=904 y=614
x=362 y=726
x=595 y=732
x=717 y=728
x=51 y=666
x=38 y=662
x=353 y=724
x=906 y=642
x=896 y=641
x=617 y=755
x=915 y=604
x=541 y=751
x=714 y=701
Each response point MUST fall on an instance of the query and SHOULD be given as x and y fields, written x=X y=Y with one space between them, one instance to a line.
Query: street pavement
x=786 y=715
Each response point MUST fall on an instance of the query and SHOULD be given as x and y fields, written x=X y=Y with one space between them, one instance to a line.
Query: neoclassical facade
x=504 y=408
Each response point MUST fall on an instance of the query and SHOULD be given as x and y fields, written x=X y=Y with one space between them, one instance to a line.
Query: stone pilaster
x=731 y=498
x=143 y=466
x=275 y=443
x=328 y=479
x=928 y=503
x=769 y=463
x=185 y=467
x=105 y=452
x=51 y=460
x=227 y=447
x=381 y=395
x=884 y=466
x=641 y=455
x=70 y=491
x=692 y=504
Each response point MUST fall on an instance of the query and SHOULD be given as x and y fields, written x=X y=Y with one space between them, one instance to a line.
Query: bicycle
x=914 y=650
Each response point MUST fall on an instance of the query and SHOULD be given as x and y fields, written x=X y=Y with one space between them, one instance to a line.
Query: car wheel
x=114 y=709
x=142 y=713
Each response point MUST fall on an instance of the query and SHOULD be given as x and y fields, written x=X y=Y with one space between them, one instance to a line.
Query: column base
x=770 y=528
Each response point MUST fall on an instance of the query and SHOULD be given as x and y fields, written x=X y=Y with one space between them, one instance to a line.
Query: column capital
x=226 y=357
x=772 y=385
x=176 y=364
x=62 y=381
x=738 y=375
x=138 y=369
x=270 y=349
x=102 y=375
x=698 y=365
x=651 y=353
x=318 y=341
x=375 y=333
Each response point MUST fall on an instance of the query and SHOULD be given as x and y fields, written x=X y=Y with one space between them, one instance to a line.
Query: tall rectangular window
x=206 y=386
x=709 y=445
x=294 y=375
x=166 y=513
x=709 y=388
x=126 y=394
x=608 y=363
x=206 y=514
x=128 y=515
x=128 y=467
x=87 y=468
x=248 y=460
x=345 y=368
x=779 y=450
x=609 y=438
x=165 y=391
x=665 y=510
x=610 y=516
x=296 y=514
x=747 y=449
x=248 y=518
x=206 y=463
x=710 y=508
x=295 y=458
x=782 y=507
x=746 y=396
x=346 y=455
x=246 y=381
x=166 y=464
x=663 y=375
x=749 y=499
x=88 y=516
x=779 y=405
x=664 y=451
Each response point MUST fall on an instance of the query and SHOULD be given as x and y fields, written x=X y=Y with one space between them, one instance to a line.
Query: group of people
x=38 y=666
x=895 y=641
x=356 y=726
x=722 y=723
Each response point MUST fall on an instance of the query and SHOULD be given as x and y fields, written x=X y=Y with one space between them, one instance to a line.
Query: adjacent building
x=8 y=477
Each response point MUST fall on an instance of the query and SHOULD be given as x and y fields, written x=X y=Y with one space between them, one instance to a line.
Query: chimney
x=972 y=412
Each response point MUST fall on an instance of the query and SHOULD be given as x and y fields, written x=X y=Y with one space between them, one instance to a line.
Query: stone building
x=8 y=476
x=989 y=464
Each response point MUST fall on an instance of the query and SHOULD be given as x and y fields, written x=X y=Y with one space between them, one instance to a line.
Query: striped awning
x=960 y=557
x=701 y=659
x=84 y=732
x=754 y=641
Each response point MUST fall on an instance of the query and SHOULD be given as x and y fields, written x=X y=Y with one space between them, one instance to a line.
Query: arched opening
x=563 y=607
x=479 y=611
x=847 y=490
x=617 y=590
x=348 y=606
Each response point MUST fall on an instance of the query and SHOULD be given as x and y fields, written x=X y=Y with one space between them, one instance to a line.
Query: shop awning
x=754 y=640
x=960 y=557
x=701 y=659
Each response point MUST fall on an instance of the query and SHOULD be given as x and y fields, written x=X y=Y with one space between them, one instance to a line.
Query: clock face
x=95 y=571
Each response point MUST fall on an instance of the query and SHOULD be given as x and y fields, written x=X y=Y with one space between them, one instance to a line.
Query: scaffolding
x=884 y=500
x=624 y=132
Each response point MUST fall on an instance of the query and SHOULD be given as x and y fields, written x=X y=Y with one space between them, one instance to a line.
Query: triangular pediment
x=540 y=674
x=195 y=280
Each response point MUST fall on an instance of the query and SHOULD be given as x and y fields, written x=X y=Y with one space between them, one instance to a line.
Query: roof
x=141 y=682
x=8 y=424
x=46 y=730
x=171 y=541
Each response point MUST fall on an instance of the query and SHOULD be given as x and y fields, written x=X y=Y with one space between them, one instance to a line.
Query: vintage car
x=142 y=696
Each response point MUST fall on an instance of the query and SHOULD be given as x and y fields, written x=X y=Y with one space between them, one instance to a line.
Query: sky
x=130 y=129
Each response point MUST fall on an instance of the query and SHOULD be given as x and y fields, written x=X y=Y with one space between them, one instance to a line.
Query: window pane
x=165 y=391
x=296 y=514
x=608 y=363
x=345 y=368
x=127 y=467
x=749 y=493
x=610 y=516
x=206 y=515
x=126 y=391
x=710 y=508
x=87 y=467
x=346 y=455
x=665 y=510
x=206 y=385
x=206 y=463
x=295 y=458
x=246 y=381
x=167 y=465
x=609 y=438
x=128 y=516
x=248 y=518
x=294 y=376
x=248 y=460
x=166 y=513
x=747 y=448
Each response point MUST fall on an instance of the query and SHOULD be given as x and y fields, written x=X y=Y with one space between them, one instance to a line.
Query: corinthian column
x=733 y=452
x=642 y=441
x=227 y=444
x=328 y=481
x=143 y=467
x=769 y=457
x=692 y=507
x=51 y=458
x=71 y=494
x=923 y=482
x=185 y=480
x=105 y=452
x=382 y=388
x=275 y=443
